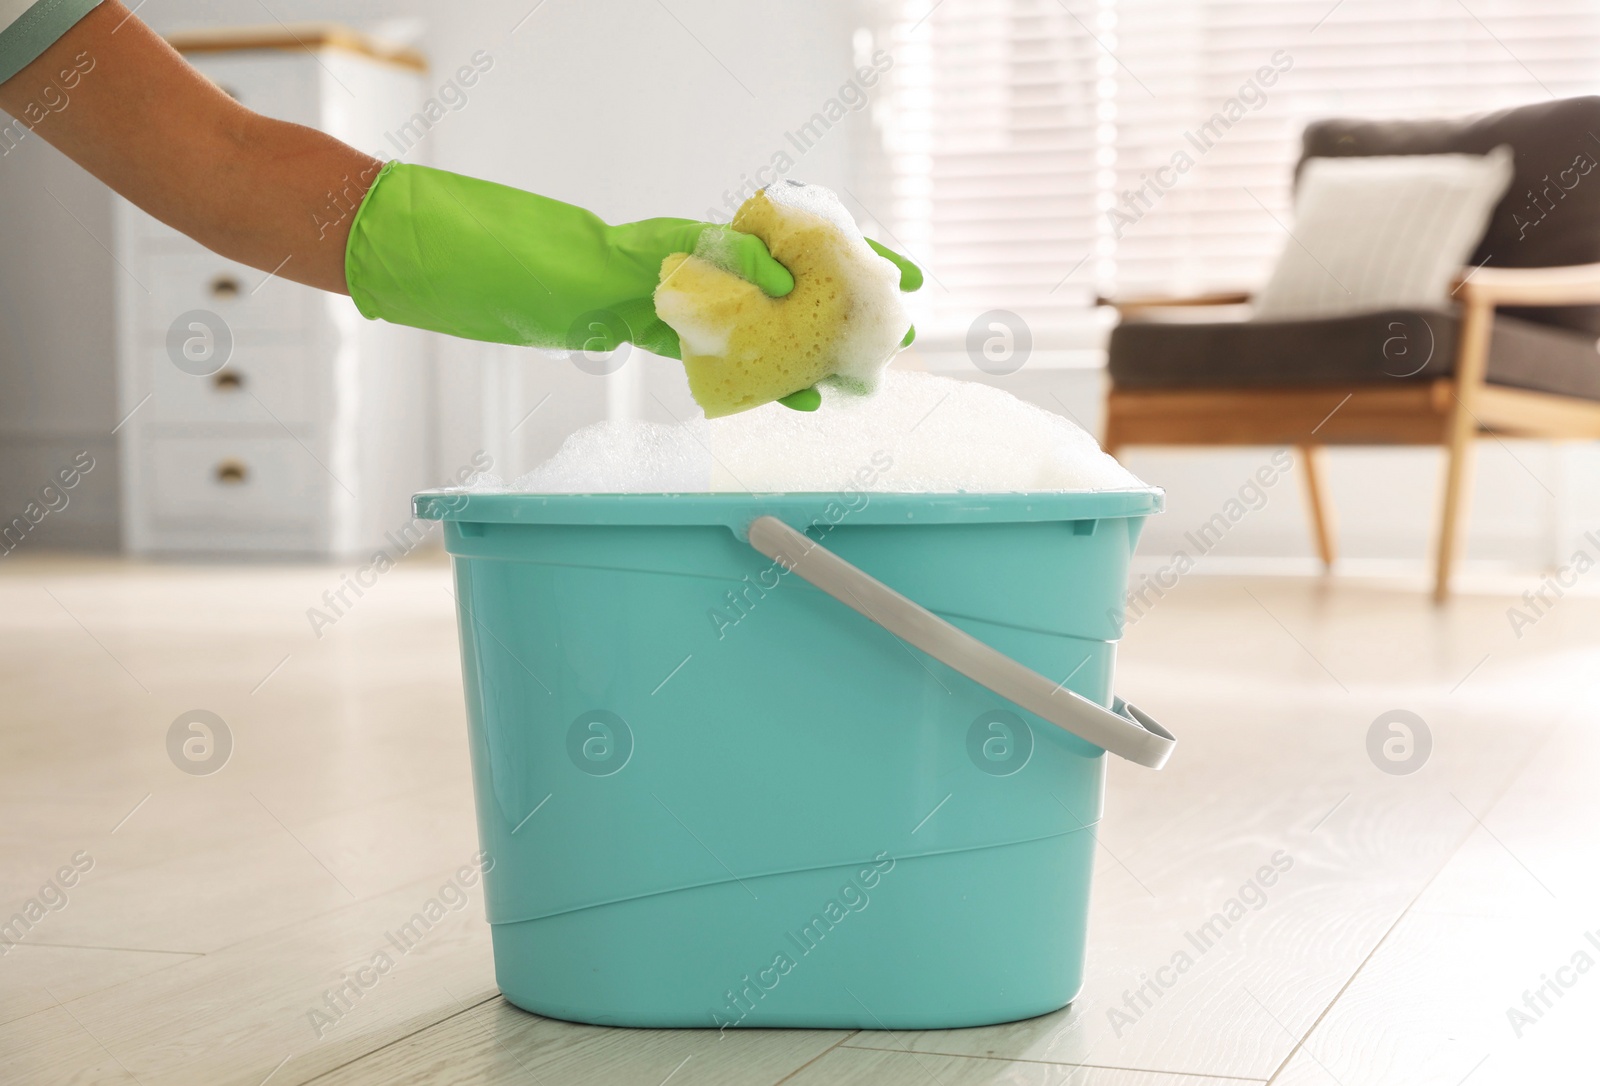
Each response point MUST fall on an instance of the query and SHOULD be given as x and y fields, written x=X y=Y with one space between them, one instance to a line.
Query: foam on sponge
x=840 y=325
x=923 y=434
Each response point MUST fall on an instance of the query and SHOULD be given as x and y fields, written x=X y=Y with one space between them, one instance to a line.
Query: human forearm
x=139 y=118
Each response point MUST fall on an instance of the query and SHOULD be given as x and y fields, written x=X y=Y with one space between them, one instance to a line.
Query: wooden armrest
x=1571 y=284
x=1125 y=306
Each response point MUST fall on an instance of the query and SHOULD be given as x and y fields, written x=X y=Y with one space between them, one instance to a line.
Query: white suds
x=937 y=435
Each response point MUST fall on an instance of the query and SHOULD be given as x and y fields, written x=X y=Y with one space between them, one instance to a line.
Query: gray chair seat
x=1391 y=345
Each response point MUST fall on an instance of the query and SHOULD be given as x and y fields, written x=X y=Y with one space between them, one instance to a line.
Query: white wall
x=57 y=394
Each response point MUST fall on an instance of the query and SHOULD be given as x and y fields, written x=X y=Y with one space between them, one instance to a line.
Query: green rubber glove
x=484 y=261
x=910 y=275
x=471 y=258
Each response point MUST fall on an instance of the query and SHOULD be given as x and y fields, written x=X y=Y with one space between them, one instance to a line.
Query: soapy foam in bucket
x=919 y=434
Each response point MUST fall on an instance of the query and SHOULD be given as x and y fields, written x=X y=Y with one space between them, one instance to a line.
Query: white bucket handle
x=1122 y=729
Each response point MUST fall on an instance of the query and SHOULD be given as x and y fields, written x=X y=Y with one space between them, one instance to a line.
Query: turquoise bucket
x=724 y=778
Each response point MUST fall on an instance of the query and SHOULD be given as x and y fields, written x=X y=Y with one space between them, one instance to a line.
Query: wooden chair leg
x=1457 y=487
x=1472 y=353
x=1322 y=518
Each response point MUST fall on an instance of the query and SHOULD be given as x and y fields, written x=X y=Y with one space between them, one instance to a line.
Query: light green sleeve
x=30 y=29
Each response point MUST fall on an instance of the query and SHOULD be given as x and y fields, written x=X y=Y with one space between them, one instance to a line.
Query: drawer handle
x=226 y=286
x=227 y=380
x=232 y=472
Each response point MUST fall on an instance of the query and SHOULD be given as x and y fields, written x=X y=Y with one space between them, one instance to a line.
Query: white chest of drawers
x=315 y=430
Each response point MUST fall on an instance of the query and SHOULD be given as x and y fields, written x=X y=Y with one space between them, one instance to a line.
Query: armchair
x=1514 y=354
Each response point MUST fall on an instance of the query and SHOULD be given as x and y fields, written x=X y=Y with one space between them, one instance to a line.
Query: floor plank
x=497 y=1043
x=235 y=1015
x=35 y=978
x=52 y=1047
x=1495 y=974
x=848 y=1066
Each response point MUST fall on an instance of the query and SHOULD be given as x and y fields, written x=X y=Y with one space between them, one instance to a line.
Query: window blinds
x=1036 y=152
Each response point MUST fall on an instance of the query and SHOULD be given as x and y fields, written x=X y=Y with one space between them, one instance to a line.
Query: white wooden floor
x=213 y=911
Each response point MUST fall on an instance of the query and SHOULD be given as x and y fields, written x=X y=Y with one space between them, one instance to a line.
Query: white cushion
x=1382 y=232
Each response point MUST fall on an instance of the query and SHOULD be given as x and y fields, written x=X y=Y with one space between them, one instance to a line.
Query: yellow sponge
x=841 y=324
